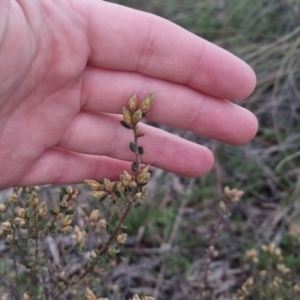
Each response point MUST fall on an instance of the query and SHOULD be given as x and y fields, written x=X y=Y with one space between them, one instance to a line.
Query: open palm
x=67 y=67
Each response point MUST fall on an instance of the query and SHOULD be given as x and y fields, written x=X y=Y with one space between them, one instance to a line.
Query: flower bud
x=21 y=212
x=145 y=106
x=102 y=224
x=66 y=229
x=124 y=181
x=42 y=210
x=108 y=185
x=222 y=206
x=26 y=297
x=2 y=207
x=127 y=116
x=6 y=226
x=93 y=254
x=98 y=194
x=13 y=198
x=143 y=178
x=94 y=215
x=79 y=235
x=93 y=184
x=67 y=221
x=10 y=237
x=137 y=196
x=132 y=102
x=34 y=200
x=69 y=190
x=121 y=238
x=137 y=116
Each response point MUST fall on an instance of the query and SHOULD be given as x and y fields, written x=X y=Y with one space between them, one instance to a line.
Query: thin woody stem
x=114 y=234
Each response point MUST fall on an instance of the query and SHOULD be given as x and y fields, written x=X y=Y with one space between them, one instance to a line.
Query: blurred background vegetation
x=181 y=213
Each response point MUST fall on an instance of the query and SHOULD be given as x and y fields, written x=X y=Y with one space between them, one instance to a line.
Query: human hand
x=67 y=68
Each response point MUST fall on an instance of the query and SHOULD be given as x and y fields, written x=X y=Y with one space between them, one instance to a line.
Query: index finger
x=129 y=40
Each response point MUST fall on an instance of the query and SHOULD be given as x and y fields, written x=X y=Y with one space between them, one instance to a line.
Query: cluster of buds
x=7 y=229
x=34 y=200
x=127 y=183
x=42 y=210
x=134 y=113
x=283 y=269
x=243 y=292
x=66 y=224
x=78 y=235
x=21 y=217
x=102 y=189
x=273 y=250
x=233 y=195
x=253 y=255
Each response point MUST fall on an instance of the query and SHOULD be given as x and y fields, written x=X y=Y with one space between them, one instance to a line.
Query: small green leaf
x=118 y=194
x=115 y=187
x=103 y=198
x=132 y=146
x=52 y=227
x=52 y=212
x=69 y=213
x=134 y=166
x=63 y=192
x=124 y=125
x=63 y=210
x=141 y=150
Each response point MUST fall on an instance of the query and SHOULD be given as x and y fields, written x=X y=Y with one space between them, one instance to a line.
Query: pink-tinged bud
x=93 y=184
x=127 y=116
x=127 y=176
x=108 y=185
x=124 y=181
x=137 y=116
x=145 y=106
x=132 y=102
x=144 y=169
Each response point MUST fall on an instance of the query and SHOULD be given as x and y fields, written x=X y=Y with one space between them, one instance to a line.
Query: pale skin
x=68 y=67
